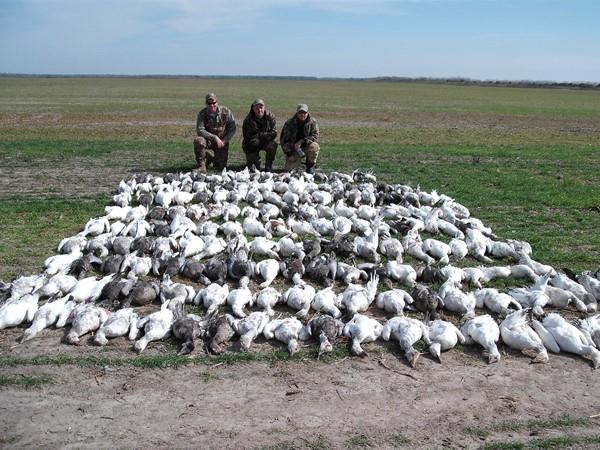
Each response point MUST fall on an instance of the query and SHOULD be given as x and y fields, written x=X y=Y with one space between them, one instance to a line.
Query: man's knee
x=271 y=148
x=252 y=158
x=221 y=157
x=312 y=152
x=200 y=148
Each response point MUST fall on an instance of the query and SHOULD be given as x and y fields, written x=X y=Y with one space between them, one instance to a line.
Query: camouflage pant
x=207 y=152
x=253 y=149
x=312 y=153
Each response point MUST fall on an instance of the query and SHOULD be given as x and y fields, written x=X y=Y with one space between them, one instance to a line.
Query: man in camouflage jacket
x=259 y=133
x=299 y=139
x=215 y=126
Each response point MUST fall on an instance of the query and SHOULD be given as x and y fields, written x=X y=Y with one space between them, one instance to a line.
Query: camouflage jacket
x=290 y=135
x=221 y=124
x=263 y=129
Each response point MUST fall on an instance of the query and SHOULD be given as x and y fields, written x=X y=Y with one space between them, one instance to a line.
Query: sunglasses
x=211 y=103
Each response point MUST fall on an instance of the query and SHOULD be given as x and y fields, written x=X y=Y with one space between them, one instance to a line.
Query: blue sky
x=552 y=40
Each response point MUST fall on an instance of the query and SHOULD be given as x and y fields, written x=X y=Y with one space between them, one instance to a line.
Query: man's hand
x=298 y=146
x=219 y=142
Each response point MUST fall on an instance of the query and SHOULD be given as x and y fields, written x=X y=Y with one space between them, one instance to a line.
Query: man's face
x=212 y=106
x=301 y=115
x=259 y=110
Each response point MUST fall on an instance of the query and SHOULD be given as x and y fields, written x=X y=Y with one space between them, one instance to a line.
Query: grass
x=24 y=382
x=530 y=425
x=173 y=361
x=536 y=426
x=523 y=160
x=358 y=441
x=559 y=442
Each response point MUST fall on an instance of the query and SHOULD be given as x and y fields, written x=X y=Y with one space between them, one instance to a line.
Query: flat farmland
x=524 y=160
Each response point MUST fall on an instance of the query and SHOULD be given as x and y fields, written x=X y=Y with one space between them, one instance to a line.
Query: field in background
x=524 y=160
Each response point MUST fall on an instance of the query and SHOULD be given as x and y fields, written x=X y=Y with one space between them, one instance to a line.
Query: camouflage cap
x=210 y=97
x=302 y=107
x=258 y=101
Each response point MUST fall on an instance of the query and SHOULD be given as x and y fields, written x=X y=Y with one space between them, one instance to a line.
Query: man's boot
x=310 y=167
x=269 y=165
x=209 y=160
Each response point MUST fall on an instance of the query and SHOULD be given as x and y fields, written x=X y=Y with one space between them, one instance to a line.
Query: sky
x=541 y=40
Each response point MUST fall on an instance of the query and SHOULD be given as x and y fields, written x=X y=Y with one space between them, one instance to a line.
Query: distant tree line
x=420 y=80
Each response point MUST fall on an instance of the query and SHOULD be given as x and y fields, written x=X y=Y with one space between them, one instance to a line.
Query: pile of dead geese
x=299 y=257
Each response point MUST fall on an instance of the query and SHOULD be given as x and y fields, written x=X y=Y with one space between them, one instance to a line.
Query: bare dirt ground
x=378 y=401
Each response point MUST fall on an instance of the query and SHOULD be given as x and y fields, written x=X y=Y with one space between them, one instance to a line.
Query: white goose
x=96 y=226
x=443 y=336
x=323 y=226
x=350 y=274
x=299 y=296
x=591 y=328
x=15 y=312
x=267 y=299
x=457 y=301
x=156 y=326
x=343 y=210
x=85 y=318
x=240 y=297
x=495 y=301
x=255 y=228
x=190 y=244
x=477 y=244
x=403 y=273
x=327 y=301
x=264 y=247
x=231 y=229
x=287 y=247
x=212 y=296
x=120 y=323
x=570 y=339
x=484 y=331
x=60 y=284
x=214 y=246
x=458 y=249
x=362 y=329
x=393 y=301
x=413 y=246
x=176 y=293
x=249 y=327
x=268 y=269
x=539 y=268
x=284 y=330
x=517 y=333
x=407 y=331
x=56 y=313
x=438 y=249
x=61 y=263
x=391 y=248
x=89 y=289
x=357 y=298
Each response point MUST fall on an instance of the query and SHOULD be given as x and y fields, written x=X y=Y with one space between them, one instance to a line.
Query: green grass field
x=524 y=160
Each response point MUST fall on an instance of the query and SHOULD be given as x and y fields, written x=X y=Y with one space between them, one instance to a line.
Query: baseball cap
x=302 y=107
x=258 y=101
x=210 y=97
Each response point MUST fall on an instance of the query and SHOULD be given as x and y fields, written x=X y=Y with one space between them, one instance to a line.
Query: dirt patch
x=378 y=401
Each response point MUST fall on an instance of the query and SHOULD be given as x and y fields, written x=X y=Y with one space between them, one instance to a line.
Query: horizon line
x=392 y=78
